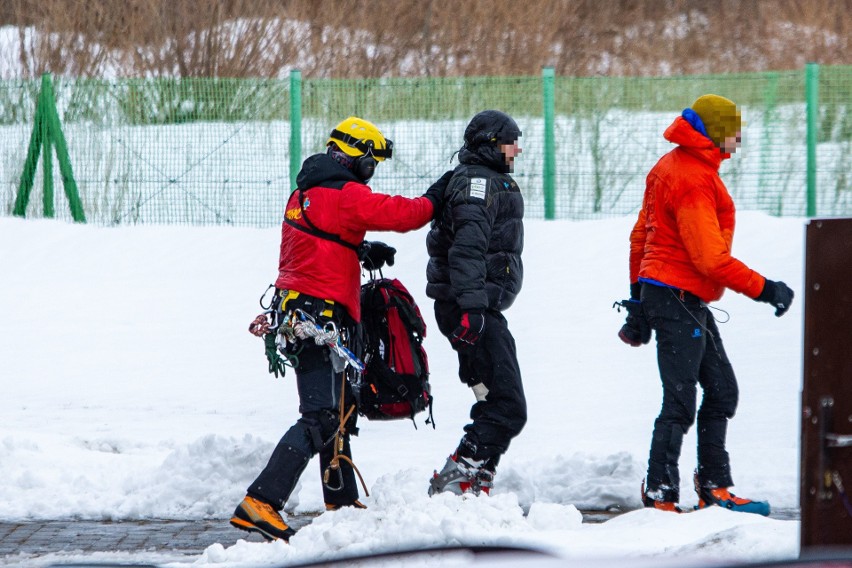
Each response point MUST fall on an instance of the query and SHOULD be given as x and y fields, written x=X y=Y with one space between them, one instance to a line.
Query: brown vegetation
x=383 y=38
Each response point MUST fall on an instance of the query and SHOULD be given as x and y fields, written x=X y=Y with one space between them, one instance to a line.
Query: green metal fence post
x=812 y=108
x=30 y=164
x=68 y=182
x=549 y=173
x=295 y=125
x=45 y=99
x=47 y=134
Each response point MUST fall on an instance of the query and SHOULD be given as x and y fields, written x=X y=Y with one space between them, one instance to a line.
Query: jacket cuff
x=635 y=290
x=767 y=293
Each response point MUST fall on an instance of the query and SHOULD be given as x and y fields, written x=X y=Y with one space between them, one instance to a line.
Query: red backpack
x=395 y=381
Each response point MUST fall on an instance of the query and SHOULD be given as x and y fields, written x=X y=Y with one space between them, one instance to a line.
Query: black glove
x=636 y=330
x=776 y=294
x=375 y=254
x=470 y=329
x=435 y=193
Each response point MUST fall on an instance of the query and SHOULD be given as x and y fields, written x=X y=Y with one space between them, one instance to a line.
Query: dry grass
x=383 y=38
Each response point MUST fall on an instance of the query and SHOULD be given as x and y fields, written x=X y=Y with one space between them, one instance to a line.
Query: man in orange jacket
x=680 y=260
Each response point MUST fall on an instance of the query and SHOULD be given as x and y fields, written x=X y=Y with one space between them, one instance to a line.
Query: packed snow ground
x=131 y=389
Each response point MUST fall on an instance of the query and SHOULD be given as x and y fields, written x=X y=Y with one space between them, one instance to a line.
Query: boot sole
x=755 y=507
x=252 y=528
x=355 y=505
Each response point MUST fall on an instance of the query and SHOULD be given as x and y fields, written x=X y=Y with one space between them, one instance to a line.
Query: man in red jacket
x=680 y=260
x=319 y=278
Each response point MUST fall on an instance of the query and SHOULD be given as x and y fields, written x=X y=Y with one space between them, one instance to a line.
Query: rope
x=321 y=336
x=334 y=464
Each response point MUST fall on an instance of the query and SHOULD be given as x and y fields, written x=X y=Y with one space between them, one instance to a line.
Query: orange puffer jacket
x=686 y=226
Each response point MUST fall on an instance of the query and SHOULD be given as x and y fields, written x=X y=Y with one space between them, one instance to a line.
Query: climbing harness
x=281 y=328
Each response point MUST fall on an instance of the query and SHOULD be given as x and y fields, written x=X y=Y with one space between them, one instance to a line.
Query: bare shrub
x=379 y=38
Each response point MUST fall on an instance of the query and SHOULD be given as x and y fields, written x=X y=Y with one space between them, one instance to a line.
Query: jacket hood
x=483 y=136
x=682 y=133
x=320 y=169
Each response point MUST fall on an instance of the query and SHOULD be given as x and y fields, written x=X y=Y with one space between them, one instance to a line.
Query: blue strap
x=656 y=283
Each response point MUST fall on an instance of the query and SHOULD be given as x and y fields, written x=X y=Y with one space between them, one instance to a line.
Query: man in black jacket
x=474 y=273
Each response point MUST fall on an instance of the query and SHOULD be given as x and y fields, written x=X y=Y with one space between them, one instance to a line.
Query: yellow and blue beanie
x=720 y=116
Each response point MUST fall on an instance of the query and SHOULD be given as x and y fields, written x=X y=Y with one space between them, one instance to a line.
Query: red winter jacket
x=686 y=226
x=336 y=202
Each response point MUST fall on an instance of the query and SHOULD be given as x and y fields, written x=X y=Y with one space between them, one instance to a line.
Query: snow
x=131 y=389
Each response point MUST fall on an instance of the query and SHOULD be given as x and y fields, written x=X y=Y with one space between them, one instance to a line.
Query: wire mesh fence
x=218 y=151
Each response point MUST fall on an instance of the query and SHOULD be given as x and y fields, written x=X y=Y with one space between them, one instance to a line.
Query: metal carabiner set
x=300 y=325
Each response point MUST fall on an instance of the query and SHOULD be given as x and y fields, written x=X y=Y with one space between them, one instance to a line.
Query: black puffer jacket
x=475 y=246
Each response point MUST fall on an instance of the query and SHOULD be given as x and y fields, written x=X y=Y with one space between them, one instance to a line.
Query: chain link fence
x=218 y=151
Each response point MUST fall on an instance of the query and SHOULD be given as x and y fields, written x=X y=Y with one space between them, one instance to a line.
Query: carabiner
x=325 y=478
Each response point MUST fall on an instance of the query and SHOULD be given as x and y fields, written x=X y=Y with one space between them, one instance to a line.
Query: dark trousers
x=319 y=397
x=689 y=353
x=493 y=361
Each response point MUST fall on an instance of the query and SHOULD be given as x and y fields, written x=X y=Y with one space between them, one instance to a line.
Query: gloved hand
x=435 y=193
x=776 y=294
x=470 y=329
x=636 y=330
x=375 y=254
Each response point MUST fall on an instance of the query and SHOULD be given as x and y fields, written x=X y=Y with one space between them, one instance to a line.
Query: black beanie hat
x=491 y=127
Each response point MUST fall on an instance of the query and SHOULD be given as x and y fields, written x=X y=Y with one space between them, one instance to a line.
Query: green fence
x=225 y=151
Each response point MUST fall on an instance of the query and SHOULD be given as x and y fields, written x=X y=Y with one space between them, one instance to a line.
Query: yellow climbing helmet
x=357 y=137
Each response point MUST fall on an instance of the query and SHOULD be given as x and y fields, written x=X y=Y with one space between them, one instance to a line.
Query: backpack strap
x=315 y=231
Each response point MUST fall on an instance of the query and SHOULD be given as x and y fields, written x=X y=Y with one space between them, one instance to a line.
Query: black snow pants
x=319 y=389
x=689 y=353
x=493 y=361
